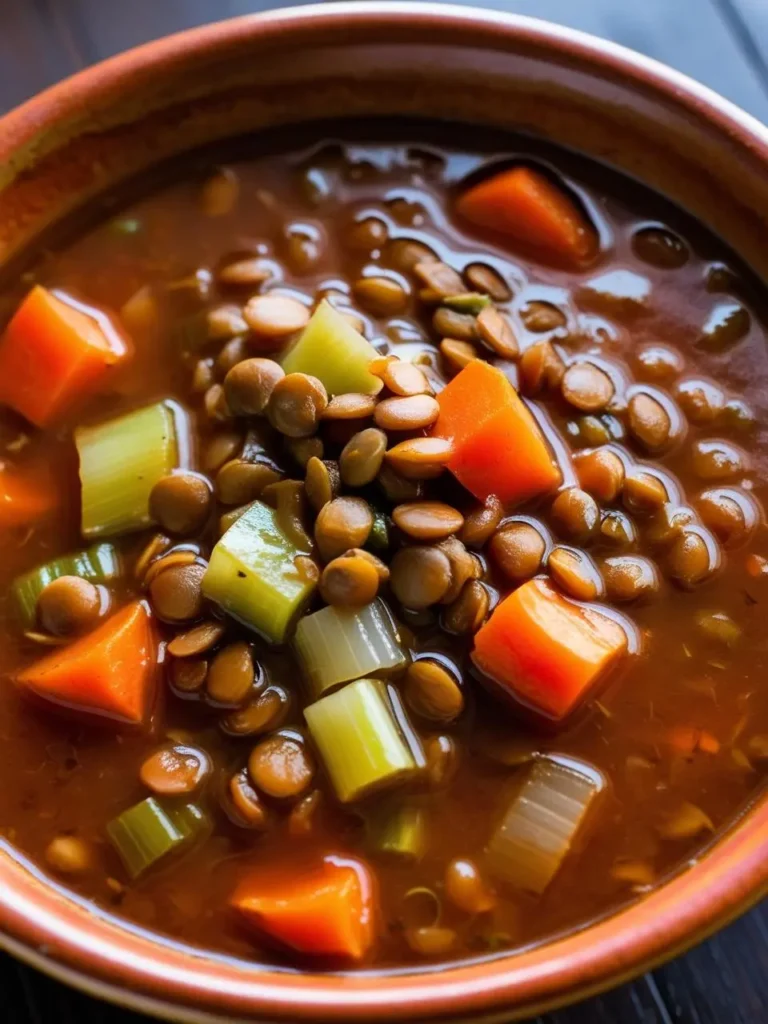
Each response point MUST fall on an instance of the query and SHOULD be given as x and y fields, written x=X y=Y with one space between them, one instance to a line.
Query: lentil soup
x=384 y=546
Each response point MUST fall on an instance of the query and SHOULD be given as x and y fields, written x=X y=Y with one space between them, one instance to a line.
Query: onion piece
x=336 y=645
x=540 y=825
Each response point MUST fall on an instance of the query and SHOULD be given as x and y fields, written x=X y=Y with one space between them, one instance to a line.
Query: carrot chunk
x=24 y=500
x=546 y=651
x=498 y=446
x=109 y=672
x=53 y=353
x=524 y=204
x=324 y=911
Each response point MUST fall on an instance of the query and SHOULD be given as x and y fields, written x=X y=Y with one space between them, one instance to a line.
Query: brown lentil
x=587 y=387
x=69 y=855
x=466 y=888
x=463 y=567
x=367 y=234
x=349 y=407
x=481 y=522
x=420 y=458
x=427 y=520
x=362 y=456
x=600 y=473
x=467 y=613
x=380 y=296
x=225 y=322
x=231 y=675
x=220 y=193
x=246 y=802
x=420 y=576
x=617 y=528
x=517 y=549
x=181 y=503
x=649 y=422
x=239 y=482
x=431 y=692
x=439 y=278
x=404 y=379
x=281 y=766
x=296 y=404
x=575 y=514
x=264 y=713
x=629 y=577
x=728 y=513
x=171 y=558
x=235 y=351
x=541 y=368
x=412 y=413
x=701 y=400
x=659 y=363
x=539 y=317
x=176 y=593
x=341 y=524
x=275 y=317
x=399 y=487
x=197 y=640
x=321 y=482
x=188 y=675
x=221 y=448
x=495 y=330
x=174 y=771
x=718 y=460
x=691 y=559
x=442 y=756
x=575 y=573
x=644 y=492
x=403 y=254
x=457 y=354
x=667 y=523
x=487 y=280
x=450 y=324
x=249 y=272
x=249 y=385
x=68 y=605
x=215 y=404
x=349 y=580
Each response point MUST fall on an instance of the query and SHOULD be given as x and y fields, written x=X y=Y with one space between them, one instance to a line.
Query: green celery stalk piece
x=147 y=832
x=332 y=350
x=364 y=739
x=252 y=574
x=99 y=564
x=467 y=302
x=122 y=460
x=398 y=830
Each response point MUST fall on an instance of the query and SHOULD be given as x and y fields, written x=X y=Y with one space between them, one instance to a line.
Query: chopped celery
x=364 y=738
x=333 y=351
x=467 y=302
x=541 y=824
x=150 y=830
x=252 y=574
x=399 y=830
x=98 y=564
x=378 y=538
x=335 y=645
x=122 y=460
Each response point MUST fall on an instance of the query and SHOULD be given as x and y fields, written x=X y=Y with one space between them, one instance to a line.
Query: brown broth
x=64 y=776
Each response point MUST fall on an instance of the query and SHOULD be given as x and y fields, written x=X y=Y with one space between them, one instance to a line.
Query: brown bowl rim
x=40 y=925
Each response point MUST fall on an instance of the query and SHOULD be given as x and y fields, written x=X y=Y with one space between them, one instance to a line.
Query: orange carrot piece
x=546 y=651
x=23 y=500
x=325 y=911
x=708 y=744
x=525 y=204
x=498 y=446
x=110 y=672
x=53 y=353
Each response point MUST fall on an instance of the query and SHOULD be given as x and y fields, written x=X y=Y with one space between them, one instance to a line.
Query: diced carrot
x=110 y=672
x=708 y=744
x=524 y=204
x=546 y=651
x=327 y=910
x=53 y=353
x=498 y=446
x=24 y=500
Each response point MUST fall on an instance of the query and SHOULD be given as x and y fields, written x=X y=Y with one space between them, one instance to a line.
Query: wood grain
x=721 y=42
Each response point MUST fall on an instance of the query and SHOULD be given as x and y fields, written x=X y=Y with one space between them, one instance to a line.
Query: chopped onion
x=364 y=739
x=542 y=822
x=122 y=460
x=336 y=645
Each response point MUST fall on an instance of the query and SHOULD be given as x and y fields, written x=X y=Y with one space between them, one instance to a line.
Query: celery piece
x=398 y=830
x=364 y=738
x=541 y=823
x=333 y=351
x=252 y=574
x=336 y=645
x=378 y=538
x=122 y=460
x=149 y=831
x=98 y=564
x=467 y=302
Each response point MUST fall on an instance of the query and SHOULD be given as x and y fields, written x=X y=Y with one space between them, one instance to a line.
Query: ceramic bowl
x=365 y=59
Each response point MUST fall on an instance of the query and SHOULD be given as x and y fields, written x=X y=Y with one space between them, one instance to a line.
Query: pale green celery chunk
x=332 y=350
x=149 y=831
x=364 y=738
x=467 y=302
x=398 y=830
x=253 y=574
x=335 y=645
x=543 y=820
x=99 y=564
x=122 y=460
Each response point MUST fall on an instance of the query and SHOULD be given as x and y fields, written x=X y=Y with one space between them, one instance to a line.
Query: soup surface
x=415 y=609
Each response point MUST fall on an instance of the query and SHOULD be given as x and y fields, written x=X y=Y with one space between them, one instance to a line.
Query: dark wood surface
x=723 y=43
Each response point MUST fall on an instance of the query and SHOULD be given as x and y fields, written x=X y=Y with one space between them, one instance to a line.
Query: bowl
x=361 y=59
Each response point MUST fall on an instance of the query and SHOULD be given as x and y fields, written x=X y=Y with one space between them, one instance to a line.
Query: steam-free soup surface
x=491 y=409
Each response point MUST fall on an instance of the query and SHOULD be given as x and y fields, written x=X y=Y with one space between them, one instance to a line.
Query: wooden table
x=721 y=42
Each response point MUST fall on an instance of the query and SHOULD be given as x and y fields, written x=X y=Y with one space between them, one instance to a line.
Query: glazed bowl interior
x=366 y=60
